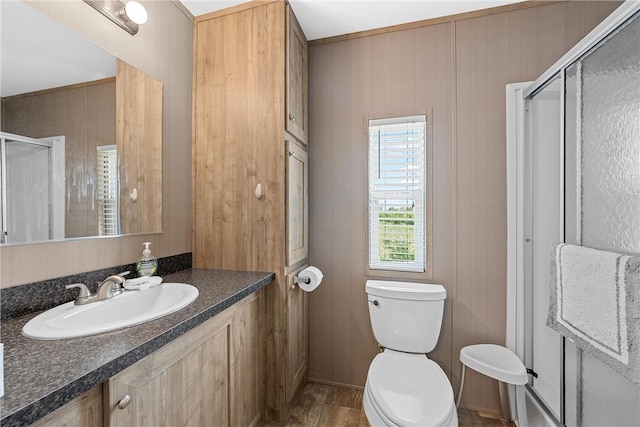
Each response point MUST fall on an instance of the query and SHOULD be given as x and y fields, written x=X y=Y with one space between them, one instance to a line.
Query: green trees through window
x=397 y=227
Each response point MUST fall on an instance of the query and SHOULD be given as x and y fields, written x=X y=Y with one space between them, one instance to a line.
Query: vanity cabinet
x=211 y=375
x=84 y=410
x=297 y=116
x=249 y=195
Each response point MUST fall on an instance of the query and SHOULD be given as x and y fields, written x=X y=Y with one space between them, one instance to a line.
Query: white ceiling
x=37 y=52
x=327 y=18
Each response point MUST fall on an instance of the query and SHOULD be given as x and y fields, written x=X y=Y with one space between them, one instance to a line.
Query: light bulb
x=136 y=12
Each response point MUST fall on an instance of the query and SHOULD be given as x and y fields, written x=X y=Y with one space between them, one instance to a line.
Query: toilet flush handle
x=375 y=302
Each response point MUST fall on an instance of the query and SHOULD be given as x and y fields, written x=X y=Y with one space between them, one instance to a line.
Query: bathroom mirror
x=81 y=141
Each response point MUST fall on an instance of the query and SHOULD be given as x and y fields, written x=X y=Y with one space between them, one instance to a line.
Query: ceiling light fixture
x=125 y=15
x=136 y=12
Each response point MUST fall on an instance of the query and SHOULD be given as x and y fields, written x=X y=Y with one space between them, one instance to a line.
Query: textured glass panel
x=608 y=399
x=573 y=191
x=602 y=202
x=609 y=96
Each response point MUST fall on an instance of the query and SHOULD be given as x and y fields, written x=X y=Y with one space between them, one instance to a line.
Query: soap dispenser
x=148 y=264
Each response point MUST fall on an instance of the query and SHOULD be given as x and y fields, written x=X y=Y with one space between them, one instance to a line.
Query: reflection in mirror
x=81 y=133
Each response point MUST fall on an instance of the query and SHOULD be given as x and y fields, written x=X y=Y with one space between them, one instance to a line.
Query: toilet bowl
x=404 y=387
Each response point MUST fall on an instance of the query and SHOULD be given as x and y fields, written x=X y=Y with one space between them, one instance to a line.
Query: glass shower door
x=32 y=188
x=543 y=228
x=602 y=139
x=26 y=191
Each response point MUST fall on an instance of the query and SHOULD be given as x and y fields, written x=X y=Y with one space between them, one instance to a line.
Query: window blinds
x=397 y=193
x=108 y=191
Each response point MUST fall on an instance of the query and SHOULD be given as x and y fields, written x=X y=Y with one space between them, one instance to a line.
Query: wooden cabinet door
x=297 y=79
x=247 y=363
x=84 y=410
x=298 y=337
x=184 y=383
x=297 y=214
x=210 y=376
x=239 y=107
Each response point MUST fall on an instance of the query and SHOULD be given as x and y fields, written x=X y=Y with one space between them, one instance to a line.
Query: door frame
x=57 y=181
x=519 y=192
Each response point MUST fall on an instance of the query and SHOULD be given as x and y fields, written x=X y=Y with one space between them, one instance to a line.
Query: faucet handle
x=119 y=283
x=84 y=291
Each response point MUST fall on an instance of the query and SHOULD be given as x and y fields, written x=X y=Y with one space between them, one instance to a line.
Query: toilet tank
x=406 y=316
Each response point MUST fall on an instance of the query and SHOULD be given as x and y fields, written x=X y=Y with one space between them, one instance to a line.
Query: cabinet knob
x=124 y=402
x=292 y=117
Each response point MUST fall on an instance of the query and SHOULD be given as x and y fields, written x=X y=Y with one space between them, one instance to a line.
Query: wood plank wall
x=238 y=143
x=458 y=67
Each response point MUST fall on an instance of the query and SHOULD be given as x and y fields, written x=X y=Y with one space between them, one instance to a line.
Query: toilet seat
x=407 y=389
x=374 y=415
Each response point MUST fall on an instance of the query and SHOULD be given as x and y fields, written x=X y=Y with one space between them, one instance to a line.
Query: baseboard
x=334 y=383
x=490 y=412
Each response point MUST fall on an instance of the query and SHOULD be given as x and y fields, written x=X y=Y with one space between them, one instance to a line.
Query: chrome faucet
x=109 y=288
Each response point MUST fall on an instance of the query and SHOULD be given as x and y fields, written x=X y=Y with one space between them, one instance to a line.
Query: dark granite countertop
x=40 y=376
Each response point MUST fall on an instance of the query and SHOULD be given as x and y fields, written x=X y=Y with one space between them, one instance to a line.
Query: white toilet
x=404 y=387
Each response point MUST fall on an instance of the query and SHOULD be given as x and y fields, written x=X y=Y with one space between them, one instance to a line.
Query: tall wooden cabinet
x=250 y=78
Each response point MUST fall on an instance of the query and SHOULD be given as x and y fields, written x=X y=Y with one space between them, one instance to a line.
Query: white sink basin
x=124 y=310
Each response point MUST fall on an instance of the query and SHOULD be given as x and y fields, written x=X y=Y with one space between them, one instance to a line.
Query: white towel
x=142 y=283
x=594 y=302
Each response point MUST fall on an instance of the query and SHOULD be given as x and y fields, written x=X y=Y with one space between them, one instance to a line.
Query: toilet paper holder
x=307 y=278
x=297 y=279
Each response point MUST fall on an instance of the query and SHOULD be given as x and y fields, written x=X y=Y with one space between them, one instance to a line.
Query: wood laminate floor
x=322 y=405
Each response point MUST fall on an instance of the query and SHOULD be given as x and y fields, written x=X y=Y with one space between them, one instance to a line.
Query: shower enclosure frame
x=519 y=99
x=56 y=145
x=521 y=333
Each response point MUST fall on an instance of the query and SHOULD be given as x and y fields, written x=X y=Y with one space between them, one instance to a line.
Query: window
x=398 y=193
x=108 y=191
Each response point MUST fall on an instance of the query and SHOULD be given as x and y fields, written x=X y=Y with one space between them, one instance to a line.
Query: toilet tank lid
x=406 y=290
